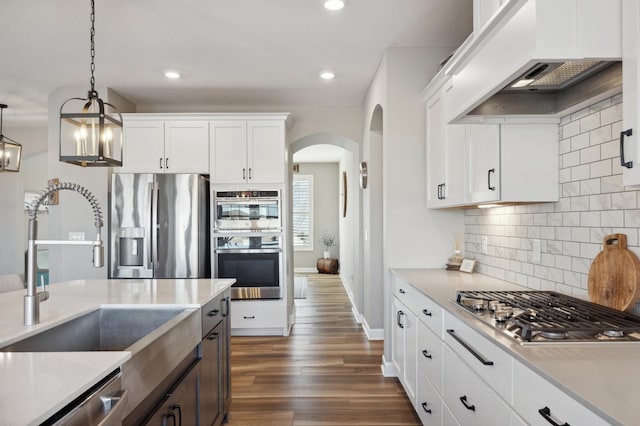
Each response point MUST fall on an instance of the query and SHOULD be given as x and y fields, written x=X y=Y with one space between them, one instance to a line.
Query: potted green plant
x=328 y=241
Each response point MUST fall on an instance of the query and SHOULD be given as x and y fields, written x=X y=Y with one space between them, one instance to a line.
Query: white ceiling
x=229 y=52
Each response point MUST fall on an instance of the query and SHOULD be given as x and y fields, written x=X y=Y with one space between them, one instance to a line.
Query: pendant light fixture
x=10 y=150
x=90 y=129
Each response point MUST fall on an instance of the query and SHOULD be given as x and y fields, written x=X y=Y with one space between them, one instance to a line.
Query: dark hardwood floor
x=325 y=373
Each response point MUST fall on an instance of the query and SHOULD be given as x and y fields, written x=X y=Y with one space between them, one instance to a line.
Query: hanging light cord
x=92 y=93
x=1 y=111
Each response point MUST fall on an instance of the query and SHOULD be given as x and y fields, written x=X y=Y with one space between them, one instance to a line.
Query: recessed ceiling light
x=327 y=75
x=172 y=74
x=335 y=5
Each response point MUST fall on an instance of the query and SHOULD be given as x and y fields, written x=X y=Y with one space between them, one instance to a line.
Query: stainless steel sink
x=106 y=329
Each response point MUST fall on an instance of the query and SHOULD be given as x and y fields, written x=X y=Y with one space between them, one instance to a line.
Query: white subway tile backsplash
x=593 y=204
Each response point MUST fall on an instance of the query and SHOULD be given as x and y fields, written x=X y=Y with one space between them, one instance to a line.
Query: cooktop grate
x=554 y=313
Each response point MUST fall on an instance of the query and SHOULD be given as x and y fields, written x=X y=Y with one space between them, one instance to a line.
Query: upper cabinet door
x=228 y=151
x=265 y=151
x=629 y=145
x=436 y=142
x=186 y=147
x=484 y=163
x=143 y=149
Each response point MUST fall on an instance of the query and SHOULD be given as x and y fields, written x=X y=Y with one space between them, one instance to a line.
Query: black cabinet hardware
x=213 y=313
x=213 y=336
x=492 y=188
x=468 y=347
x=399 y=315
x=463 y=399
x=627 y=164
x=426 y=354
x=427 y=313
x=176 y=407
x=161 y=167
x=402 y=291
x=546 y=414
x=166 y=166
x=424 y=407
x=172 y=417
x=249 y=317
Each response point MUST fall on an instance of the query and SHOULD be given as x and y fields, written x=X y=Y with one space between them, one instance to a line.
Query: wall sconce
x=91 y=134
x=10 y=150
x=364 y=173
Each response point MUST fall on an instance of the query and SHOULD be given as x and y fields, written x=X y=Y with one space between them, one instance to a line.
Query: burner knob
x=492 y=305
x=501 y=316
x=478 y=305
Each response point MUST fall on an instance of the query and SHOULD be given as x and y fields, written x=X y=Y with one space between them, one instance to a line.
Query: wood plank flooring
x=325 y=373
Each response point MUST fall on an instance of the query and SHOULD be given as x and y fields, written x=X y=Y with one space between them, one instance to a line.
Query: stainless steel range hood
x=555 y=88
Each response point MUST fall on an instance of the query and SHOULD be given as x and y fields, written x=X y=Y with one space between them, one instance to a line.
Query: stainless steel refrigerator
x=159 y=226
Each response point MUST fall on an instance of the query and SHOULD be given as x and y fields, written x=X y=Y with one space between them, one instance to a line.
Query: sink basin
x=105 y=329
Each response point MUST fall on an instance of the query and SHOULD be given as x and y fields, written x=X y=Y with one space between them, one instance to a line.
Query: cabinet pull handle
x=213 y=313
x=225 y=303
x=250 y=317
x=492 y=188
x=442 y=191
x=402 y=291
x=173 y=417
x=468 y=347
x=176 y=407
x=244 y=173
x=427 y=313
x=213 y=336
x=463 y=399
x=399 y=315
x=166 y=166
x=426 y=354
x=546 y=414
x=439 y=196
x=160 y=162
x=424 y=407
x=250 y=175
x=627 y=164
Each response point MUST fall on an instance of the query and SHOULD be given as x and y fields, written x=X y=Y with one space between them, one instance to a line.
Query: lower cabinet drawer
x=428 y=402
x=447 y=417
x=540 y=403
x=260 y=314
x=430 y=355
x=491 y=363
x=471 y=401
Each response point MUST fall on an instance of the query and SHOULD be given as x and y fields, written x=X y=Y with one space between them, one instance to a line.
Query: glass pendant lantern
x=10 y=150
x=90 y=129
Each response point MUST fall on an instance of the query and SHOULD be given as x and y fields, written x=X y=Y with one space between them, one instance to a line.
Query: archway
x=349 y=224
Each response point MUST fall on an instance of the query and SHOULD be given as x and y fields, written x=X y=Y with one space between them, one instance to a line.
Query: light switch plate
x=485 y=244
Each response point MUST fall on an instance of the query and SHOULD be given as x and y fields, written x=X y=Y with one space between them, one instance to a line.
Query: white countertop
x=33 y=386
x=603 y=377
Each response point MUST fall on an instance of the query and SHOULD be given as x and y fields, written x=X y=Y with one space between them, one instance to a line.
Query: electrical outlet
x=76 y=236
x=537 y=256
x=485 y=244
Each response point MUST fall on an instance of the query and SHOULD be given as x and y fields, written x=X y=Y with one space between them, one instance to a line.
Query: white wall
x=348 y=226
x=12 y=187
x=412 y=236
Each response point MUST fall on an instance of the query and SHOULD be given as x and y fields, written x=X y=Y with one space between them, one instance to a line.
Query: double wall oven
x=247 y=242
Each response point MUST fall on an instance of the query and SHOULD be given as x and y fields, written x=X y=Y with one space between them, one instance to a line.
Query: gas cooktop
x=546 y=317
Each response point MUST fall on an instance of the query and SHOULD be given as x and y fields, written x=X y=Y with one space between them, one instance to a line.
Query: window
x=303 y=212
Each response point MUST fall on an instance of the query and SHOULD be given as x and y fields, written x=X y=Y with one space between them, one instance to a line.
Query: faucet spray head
x=98 y=255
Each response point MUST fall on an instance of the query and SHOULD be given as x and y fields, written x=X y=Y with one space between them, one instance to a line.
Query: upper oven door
x=248 y=215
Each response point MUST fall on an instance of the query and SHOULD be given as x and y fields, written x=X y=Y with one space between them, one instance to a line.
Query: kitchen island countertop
x=33 y=386
x=603 y=377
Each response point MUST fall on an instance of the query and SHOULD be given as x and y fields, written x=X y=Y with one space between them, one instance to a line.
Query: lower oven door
x=257 y=272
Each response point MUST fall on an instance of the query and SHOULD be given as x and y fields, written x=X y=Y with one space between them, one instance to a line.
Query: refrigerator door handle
x=153 y=242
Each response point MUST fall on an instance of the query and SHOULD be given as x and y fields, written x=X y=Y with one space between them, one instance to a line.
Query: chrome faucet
x=33 y=298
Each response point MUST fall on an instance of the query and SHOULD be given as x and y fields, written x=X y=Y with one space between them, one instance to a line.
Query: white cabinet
x=540 y=403
x=159 y=146
x=513 y=163
x=483 y=11
x=247 y=151
x=446 y=143
x=630 y=145
x=428 y=402
x=258 y=318
x=405 y=347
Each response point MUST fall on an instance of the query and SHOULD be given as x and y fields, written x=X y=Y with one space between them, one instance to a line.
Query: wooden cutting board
x=614 y=275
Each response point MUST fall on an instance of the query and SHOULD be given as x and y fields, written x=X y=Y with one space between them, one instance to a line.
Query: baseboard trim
x=388 y=368
x=277 y=331
x=372 y=333
x=305 y=270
